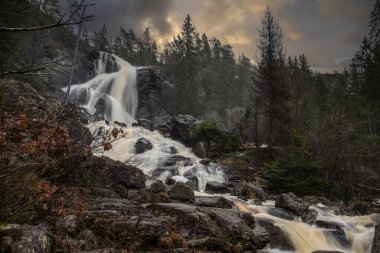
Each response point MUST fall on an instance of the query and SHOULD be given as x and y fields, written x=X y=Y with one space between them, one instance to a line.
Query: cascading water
x=117 y=92
x=114 y=93
x=305 y=238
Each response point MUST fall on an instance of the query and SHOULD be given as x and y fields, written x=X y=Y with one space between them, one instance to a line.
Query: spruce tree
x=272 y=85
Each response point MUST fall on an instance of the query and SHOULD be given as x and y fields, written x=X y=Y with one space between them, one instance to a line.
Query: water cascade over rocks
x=348 y=234
x=115 y=96
x=113 y=93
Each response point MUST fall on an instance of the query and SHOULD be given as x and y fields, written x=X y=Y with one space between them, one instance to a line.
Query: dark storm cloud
x=135 y=14
x=328 y=32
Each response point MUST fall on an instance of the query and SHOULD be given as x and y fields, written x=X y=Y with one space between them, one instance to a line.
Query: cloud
x=290 y=31
x=324 y=30
x=355 y=11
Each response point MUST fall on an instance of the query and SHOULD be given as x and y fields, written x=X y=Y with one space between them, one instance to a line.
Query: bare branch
x=32 y=68
x=38 y=28
x=62 y=21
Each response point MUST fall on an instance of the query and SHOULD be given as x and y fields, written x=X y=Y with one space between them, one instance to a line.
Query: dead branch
x=32 y=68
x=62 y=21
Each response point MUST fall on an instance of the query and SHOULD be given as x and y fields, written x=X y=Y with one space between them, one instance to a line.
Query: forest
x=212 y=131
x=328 y=127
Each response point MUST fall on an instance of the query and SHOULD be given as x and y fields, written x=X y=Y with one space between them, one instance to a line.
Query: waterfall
x=113 y=93
x=116 y=94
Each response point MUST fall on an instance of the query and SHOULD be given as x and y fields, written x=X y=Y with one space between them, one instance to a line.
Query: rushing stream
x=117 y=93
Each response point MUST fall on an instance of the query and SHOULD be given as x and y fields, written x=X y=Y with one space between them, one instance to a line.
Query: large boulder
x=249 y=191
x=105 y=172
x=278 y=239
x=216 y=187
x=163 y=125
x=290 y=202
x=376 y=240
x=142 y=145
x=213 y=201
x=181 y=192
x=214 y=229
x=26 y=239
x=182 y=126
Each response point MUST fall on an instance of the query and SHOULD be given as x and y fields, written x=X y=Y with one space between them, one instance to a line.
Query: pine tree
x=101 y=40
x=272 y=85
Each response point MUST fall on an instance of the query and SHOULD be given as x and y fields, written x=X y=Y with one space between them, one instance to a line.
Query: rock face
x=105 y=172
x=292 y=203
x=181 y=192
x=142 y=145
x=213 y=229
x=181 y=127
x=149 y=94
x=376 y=240
x=26 y=239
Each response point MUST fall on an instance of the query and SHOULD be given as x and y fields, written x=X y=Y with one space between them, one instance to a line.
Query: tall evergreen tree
x=272 y=85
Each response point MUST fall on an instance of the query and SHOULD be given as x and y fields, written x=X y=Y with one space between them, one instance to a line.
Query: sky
x=328 y=32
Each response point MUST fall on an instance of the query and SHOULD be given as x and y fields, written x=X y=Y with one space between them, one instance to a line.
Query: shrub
x=209 y=131
x=297 y=172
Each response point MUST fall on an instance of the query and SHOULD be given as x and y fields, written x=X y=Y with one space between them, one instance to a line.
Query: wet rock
x=205 y=161
x=213 y=201
x=376 y=240
x=280 y=213
x=181 y=192
x=26 y=239
x=278 y=239
x=173 y=150
x=193 y=183
x=173 y=170
x=120 y=124
x=170 y=181
x=361 y=208
x=162 y=124
x=310 y=217
x=173 y=160
x=145 y=123
x=216 y=187
x=157 y=187
x=315 y=200
x=249 y=191
x=231 y=174
x=329 y=225
x=181 y=127
x=292 y=203
x=142 y=145
x=105 y=172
